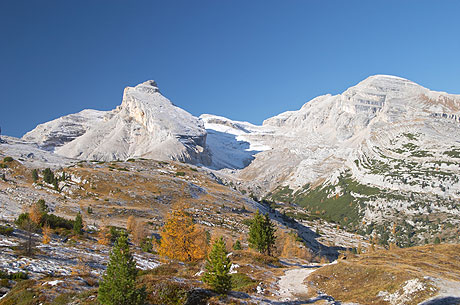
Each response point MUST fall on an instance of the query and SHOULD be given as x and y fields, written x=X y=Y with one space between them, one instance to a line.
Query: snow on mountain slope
x=31 y=154
x=60 y=131
x=329 y=130
x=233 y=144
x=146 y=124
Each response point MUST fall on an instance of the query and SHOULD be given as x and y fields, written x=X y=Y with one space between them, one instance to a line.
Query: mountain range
x=383 y=148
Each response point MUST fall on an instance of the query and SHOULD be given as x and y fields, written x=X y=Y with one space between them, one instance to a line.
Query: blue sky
x=246 y=60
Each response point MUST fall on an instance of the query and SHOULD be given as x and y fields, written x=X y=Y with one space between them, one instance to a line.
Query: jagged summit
x=146 y=124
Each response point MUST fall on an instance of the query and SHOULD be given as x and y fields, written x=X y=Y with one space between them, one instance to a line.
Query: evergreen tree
x=35 y=175
x=42 y=206
x=78 y=224
x=262 y=234
x=237 y=245
x=48 y=175
x=218 y=267
x=118 y=284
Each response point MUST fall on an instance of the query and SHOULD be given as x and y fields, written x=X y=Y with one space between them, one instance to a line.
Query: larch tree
x=181 y=239
x=46 y=233
x=118 y=284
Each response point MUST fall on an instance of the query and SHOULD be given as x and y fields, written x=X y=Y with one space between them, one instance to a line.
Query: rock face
x=330 y=132
x=60 y=131
x=146 y=124
x=384 y=149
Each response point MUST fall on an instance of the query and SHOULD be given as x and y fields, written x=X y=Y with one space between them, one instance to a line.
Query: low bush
x=5 y=230
x=180 y=174
x=21 y=220
x=7 y=159
x=242 y=282
x=168 y=293
x=57 y=221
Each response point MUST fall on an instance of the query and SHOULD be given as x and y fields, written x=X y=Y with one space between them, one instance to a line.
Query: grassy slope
x=361 y=278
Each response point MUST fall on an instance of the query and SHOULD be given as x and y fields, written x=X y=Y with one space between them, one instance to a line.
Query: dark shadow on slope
x=236 y=153
x=308 y=235
x=329 y=299
x=443 y=301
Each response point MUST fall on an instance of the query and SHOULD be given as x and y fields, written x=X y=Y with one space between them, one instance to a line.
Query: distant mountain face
x=381 y=148
x=384 y=153
x=146 y=124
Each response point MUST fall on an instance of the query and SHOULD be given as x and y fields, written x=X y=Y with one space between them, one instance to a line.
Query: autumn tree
x=36 y=212
x=131 y=223
x=46 y=233
x=217 y=267
x=262 y=234
x=118 y=284
x=181 y=239
x=293 y=248
x=103 y=236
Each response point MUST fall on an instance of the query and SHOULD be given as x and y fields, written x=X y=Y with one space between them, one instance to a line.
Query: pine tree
x=35 y=175
x=78 y=224
x=48 y=176
x=218 y=267
x=237 y=245
x=181 y=239
x=262 y=234
x=118 y=284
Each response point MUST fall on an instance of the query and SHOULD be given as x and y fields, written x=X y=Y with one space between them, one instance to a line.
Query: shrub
x=242 y=282
x=7 y=159
x=5 y=230
x=180 y=174
x=22 y=218
x=57 y=222
x=237 y=245
x=168 y=293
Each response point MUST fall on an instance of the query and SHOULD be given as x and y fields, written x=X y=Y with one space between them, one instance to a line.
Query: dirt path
x=291 y=284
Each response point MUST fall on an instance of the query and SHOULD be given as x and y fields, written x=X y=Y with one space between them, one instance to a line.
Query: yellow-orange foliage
x=35 y=214
x=46 y=234
x=181 y=239
x=103 y=236
x=294 y=249
x=139 y=232
x=131 y=223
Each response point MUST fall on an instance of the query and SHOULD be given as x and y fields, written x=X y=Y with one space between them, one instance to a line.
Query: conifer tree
x=237 y=245
x=46 y=233
x=78 y=224
x=181 y=239
x=118 y=284
x=218 y=267
x=35 y=175
x=262 y=234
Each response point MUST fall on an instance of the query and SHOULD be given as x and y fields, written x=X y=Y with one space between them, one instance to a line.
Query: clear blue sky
x=246 y=60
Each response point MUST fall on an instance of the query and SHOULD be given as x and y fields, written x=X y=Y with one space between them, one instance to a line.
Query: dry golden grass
x=360 y=278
